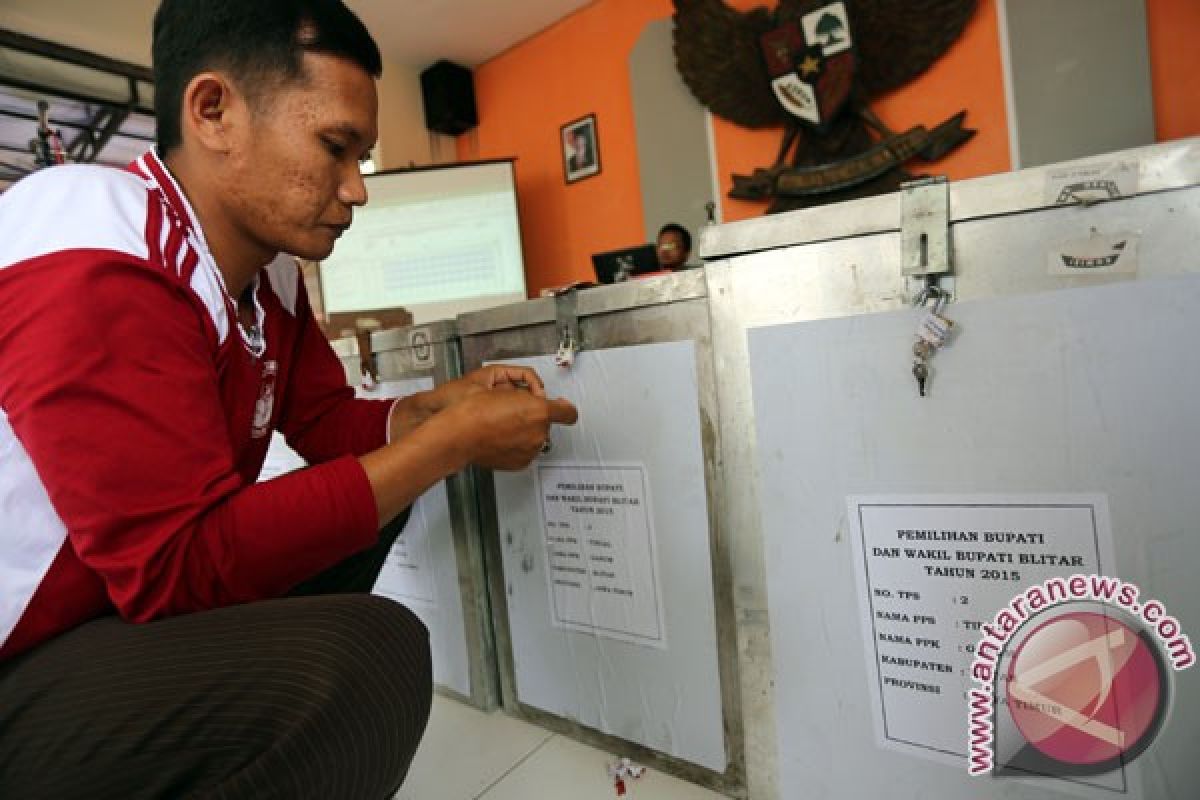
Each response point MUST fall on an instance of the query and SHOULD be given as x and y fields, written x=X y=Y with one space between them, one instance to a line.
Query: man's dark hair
x=260 y=43
x=675 y=227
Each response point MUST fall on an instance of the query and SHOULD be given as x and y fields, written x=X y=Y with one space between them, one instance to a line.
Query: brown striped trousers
x=319 y=695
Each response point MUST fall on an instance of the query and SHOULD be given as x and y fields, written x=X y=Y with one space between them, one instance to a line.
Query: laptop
x=621 y=264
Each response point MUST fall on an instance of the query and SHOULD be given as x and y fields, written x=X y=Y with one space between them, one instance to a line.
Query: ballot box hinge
x=570 y=341
x=925 y=227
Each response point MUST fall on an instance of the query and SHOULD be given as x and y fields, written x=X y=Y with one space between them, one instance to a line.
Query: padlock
x=565 y=357
x=933 y=327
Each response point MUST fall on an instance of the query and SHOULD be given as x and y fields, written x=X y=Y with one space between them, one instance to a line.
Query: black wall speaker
x=449 y=94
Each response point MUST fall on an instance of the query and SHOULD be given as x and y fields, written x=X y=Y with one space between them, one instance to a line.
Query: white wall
x=403 y=138
x=94 y=26
x=677 y=174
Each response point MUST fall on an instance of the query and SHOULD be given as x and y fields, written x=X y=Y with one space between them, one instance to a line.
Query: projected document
x=429 y=237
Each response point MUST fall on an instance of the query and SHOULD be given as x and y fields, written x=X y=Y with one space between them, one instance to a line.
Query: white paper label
x=1100 y=254
x=931 y=571
x=408 y=569
x=1091 y=183
x=600 y=554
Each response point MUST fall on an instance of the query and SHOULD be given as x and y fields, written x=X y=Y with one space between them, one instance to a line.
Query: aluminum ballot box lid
x=430 y=349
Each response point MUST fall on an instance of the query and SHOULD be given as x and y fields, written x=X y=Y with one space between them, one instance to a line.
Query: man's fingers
x=519 y=377
x=533 y=380
x=562 y=412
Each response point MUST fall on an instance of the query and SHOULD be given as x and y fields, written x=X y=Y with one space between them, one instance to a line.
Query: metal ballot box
x=925 y=491
x=347 y=352
x=436 y=568
x=608 y=567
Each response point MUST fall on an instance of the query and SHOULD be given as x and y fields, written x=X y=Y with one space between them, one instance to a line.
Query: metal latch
x=925 y=227
x=567 y=324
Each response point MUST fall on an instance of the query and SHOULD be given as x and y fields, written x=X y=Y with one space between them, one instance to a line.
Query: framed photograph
x=581 y=149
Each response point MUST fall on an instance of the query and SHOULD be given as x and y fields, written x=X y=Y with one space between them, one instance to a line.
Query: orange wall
x=577 y=67
x=580 y=66
x=1174 y=26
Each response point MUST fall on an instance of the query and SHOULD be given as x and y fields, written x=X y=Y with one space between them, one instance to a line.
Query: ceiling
x=99 y=117
x=413 y=33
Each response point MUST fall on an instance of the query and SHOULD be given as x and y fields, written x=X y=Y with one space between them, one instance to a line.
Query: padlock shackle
x=939 y=295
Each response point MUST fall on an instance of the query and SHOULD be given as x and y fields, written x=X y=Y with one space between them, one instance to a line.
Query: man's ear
x=211 y=107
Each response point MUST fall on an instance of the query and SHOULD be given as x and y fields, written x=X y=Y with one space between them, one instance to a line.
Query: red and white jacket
x=135 y=414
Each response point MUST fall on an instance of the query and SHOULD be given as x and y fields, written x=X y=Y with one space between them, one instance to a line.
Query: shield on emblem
x=811 y=63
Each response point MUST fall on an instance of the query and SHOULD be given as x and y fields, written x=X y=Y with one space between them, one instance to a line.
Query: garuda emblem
x=812 y=66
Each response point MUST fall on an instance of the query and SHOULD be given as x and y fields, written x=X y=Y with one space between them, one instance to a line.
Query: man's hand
x=505 y=429
x=497 y=417
x=496 y=376
x=413 y=410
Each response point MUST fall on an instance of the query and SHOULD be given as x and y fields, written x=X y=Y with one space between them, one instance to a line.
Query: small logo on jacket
x=266 y=401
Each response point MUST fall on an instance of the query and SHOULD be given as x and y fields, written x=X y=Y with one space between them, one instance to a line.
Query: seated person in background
x=169 y=627
x=674 y=246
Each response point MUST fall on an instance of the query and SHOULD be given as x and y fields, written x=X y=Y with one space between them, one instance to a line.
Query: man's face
x=671 y=254
x=295 y=172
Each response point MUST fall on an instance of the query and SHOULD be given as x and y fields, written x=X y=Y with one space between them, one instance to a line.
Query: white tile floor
x=469 y=755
